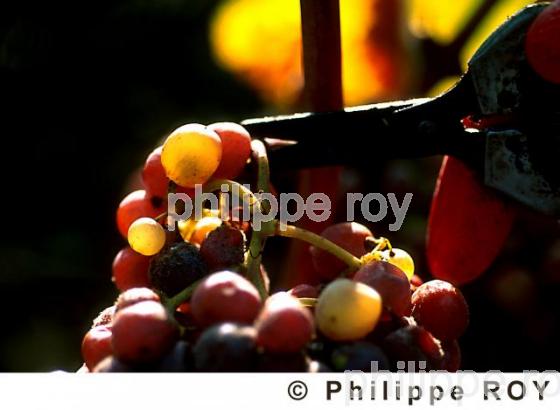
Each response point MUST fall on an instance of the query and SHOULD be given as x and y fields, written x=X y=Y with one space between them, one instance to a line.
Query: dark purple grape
x=226 y=348
x=179 y=359
x=223 y=248
x=283 y=362
x=362 y=356
x=388 y=324
x=451 y=356
x=413 y=344
x=177 y=267
x=321 y=348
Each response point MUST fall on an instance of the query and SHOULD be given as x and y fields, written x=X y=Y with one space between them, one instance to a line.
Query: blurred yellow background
x=259 y=40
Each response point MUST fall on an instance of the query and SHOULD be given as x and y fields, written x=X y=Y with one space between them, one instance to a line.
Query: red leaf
x=468 y=224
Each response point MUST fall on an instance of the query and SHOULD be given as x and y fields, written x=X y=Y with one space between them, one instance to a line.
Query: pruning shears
x=517 y=157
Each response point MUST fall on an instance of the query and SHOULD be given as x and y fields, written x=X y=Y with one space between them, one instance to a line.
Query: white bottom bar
x=63 y=391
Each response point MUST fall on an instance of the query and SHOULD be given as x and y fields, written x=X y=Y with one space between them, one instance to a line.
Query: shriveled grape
x=177 y=267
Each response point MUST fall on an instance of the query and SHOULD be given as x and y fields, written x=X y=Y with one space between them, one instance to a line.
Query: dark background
x=87 y=91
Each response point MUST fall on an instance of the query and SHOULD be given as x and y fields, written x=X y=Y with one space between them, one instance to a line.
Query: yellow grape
x=347 y=310
x=146 y=236
x=203 y=228
x=187 y=226
x=191 y=154
x=401 y=259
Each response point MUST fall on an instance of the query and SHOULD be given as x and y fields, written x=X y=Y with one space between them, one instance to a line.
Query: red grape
x=130 y=270
x=136 y=295
x=96 y=345
x=155 y=180
x=304 y=291
x=348 y=235
x=153 y=175
x=284 y=325
x=136 y=205
x=542 y=46
x=225 y=297
x=441 y=308
x=391 y=283
x=236 y=149
x=143 y=333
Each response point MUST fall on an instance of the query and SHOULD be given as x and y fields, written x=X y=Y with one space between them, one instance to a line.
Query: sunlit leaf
x=440 y=19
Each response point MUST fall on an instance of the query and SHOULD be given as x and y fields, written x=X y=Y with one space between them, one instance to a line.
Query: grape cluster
x=198 y=298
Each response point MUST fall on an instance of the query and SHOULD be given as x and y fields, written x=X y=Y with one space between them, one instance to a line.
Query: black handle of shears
x=357 y=136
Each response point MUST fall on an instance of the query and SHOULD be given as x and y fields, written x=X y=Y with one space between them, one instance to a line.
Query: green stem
x=254 y=255
x=216 y=185
x=174 y=302
x=378 y=244
x=253 y=261
x=263 y=178
x=290 y=231
x=161 y=216
x=308 y=302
